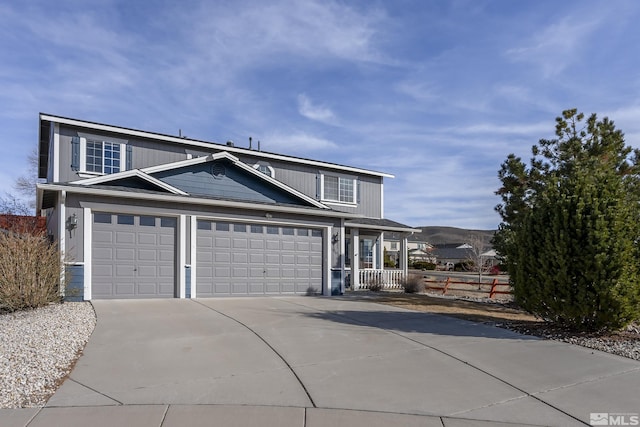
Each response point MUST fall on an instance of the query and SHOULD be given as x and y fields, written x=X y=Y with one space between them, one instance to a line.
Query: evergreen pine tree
x=570 y=226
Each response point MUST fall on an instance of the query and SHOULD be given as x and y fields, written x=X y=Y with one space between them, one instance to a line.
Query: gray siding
x=147 y=153
x=303 y=178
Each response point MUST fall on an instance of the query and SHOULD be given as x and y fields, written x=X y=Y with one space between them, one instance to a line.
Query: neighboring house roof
x=44 y=142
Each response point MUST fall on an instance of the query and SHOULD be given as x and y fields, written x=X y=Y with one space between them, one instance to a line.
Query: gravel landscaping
x=38 y=349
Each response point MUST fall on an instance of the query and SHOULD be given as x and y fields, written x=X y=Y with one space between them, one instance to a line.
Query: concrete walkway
x=311 y=362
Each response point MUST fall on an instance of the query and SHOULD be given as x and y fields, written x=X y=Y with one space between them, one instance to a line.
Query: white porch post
x=355 y=259
x=404 y=256
x=342 y=256
x=381 y=251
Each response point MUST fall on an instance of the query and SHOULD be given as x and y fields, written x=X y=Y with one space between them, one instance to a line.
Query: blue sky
x=437 y=93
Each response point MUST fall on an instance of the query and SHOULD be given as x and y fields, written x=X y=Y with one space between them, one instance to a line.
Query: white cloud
x=558 y=45
x=314 y=112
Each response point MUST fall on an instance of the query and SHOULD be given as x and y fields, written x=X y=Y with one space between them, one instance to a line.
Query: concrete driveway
x=310 y=362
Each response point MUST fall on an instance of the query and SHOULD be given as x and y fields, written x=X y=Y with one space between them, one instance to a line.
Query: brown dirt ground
x=504 y=314
x=459 y=308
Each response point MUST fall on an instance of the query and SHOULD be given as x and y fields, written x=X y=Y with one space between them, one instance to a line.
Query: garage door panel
x=166 y=256
x=223 y=257
x=103 y=237
x=222 y=288
x=240 y=259
x=222 y=272
x=240 y=288
x=240 y=272
x=103 y=270
x=240 y=243
x=272 y=245
x=256 y=244
x=123 y=270
x=147 y=255
x=256 y=271
x=133 y=258
x=124 y=289
x=287 y=259
x=288 y=287
x=147 y=239
x=148 y=271
x=125 y=237
x=222 y=242
x=125 y=254
x=288 y=246
x=204 y=242
x=272 y=259
x=256 y=288
x=272 y=288
x=288 y=273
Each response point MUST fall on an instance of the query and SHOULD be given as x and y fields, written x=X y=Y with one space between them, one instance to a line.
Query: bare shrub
x=29 y=271
x=375 y=286
x=413 y=284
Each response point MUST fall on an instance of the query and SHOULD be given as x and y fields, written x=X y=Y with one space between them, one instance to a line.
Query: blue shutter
x=129 y=164
x=318 y=195
x=75 y=153
x=358 y=190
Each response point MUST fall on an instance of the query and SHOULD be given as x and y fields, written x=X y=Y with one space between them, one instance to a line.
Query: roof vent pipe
x=229 y=143
x=258 y=145
x=250 y=139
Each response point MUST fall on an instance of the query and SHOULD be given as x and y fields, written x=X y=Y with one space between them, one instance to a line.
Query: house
x=418 y=249
x=139 y=214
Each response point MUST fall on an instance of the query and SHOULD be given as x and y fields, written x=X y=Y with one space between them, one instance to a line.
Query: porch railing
x=388 y=279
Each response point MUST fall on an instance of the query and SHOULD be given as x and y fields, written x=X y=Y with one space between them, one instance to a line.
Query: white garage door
x=133 y=256
x=241 y=259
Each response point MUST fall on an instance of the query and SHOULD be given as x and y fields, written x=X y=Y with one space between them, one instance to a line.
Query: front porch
x=364 y=255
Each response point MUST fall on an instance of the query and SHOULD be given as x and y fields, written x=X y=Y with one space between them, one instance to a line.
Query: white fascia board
x=189 y=162
x=208 y=145
x=105 y=179
x=194 y=200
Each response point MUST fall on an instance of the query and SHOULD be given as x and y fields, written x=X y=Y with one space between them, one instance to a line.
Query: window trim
x=124 y=156
x=272 y=171
x=354 y=183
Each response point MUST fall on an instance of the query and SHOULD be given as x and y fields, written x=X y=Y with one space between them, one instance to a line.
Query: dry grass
x=462 y=309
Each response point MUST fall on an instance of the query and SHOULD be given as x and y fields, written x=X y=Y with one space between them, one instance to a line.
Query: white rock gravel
x=38 y=349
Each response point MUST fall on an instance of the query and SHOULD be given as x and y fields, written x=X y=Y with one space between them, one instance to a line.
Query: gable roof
x=44 y=142
x=145 y=174
x=137 y=173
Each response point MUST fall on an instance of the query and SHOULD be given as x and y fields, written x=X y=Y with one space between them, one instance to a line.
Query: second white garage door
x=254 y=259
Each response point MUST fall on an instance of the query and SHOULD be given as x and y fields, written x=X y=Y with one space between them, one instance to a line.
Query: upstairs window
x=95 y=157
x=338 y=189
x=103 y=157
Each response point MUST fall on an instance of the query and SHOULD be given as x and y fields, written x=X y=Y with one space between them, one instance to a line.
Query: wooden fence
x=493 y=288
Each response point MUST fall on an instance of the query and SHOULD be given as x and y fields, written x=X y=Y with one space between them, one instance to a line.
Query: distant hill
x=442 y=235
